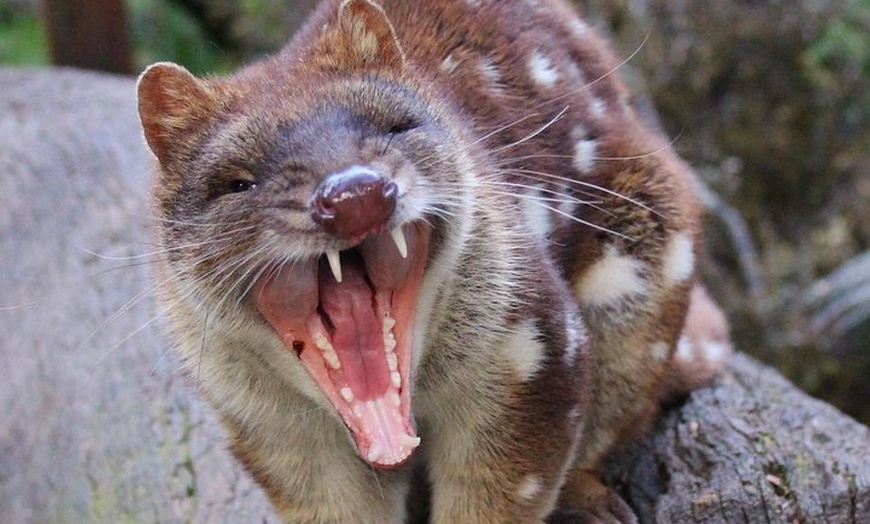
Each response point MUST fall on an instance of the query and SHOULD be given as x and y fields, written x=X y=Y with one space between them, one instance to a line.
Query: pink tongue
x=356 y=335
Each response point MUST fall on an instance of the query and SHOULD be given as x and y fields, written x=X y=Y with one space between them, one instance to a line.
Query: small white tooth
x=394 y=398
x=322 y=342
x=389 y=344
x=374 y=453
x=357 y=411
x=399 y=238
x=346 y=394
x=334 y=263
x=392 y=361
x=408 y=441
x=332 y=359
x=396 y=379
x=388 y=324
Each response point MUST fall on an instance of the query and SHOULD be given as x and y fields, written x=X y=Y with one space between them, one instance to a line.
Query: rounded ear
x=368 y=36
x=171 y=101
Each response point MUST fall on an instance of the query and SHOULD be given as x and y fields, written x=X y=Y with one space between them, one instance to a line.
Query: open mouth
x=349 y=316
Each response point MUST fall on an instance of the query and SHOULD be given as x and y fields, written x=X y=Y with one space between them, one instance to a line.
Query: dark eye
x=240 y=185
x=404 y=126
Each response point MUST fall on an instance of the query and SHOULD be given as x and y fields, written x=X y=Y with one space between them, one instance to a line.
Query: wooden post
x=88 y=34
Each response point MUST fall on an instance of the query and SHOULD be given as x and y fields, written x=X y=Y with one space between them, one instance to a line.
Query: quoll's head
x=305 y=196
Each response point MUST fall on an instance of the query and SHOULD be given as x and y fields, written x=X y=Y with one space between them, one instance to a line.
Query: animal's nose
x=354 y=202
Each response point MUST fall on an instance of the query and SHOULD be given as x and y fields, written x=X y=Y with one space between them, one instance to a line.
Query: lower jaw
x=378 y=412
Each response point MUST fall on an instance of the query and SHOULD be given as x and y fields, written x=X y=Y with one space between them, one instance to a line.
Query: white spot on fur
x=579 y=27
x=715 y=351
x=584 y=150
x=684 y=349
x=659 y=351
x=679 y=258
x=537 y=214
x=449 y=64
x=542 y=69
x=524 y=350
x=567 y=205
x=490 y=71
x=584 y=155
x=530 y=487
x=704 y=349
x=611 y=279
x=598 y=107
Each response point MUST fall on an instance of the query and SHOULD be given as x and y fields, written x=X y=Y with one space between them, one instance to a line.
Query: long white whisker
x=132 y=302
x=585 y=184
x=560 y=198
x=597 y=80
x=202 y=345
x=536 y=132
x=121 y=342
x=558 y=211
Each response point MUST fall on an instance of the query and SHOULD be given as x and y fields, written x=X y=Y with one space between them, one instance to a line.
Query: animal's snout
x=354 y=202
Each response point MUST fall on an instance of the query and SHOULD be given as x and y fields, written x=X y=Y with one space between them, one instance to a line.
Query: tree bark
x=750 y=448
x=98 y=427
x=88 y=34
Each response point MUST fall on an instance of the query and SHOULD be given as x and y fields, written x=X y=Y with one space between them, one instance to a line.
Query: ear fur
x=171 y=101
x=364 y=37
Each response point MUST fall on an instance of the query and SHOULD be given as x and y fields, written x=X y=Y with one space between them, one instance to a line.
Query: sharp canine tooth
x=334 y=263
x=374 y=453
x=399 y=238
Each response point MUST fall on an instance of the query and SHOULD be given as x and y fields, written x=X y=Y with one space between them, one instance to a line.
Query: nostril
x=353 y=202
x=390 y=190
x=323 y=208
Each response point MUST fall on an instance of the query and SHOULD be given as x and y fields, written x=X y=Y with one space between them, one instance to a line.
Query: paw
x=585 y=500
x=703 y=348
x=611 y=510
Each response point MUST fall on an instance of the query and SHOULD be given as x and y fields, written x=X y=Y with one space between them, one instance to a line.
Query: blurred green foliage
x=161 y=30
x=839 y=58
x=22 y=39
x=845 y=40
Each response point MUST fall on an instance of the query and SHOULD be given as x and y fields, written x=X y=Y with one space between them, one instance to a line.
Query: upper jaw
x=375 y=249
x=349 y=318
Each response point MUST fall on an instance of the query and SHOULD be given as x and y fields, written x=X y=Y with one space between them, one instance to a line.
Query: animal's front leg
x=502 y=435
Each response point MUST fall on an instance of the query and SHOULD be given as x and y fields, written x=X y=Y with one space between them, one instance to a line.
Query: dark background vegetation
x=768 y=99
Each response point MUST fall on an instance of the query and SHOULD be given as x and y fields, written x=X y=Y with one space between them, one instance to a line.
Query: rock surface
x=95 y=425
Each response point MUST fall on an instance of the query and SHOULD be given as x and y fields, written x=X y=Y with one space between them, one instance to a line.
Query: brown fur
x=549 y=333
